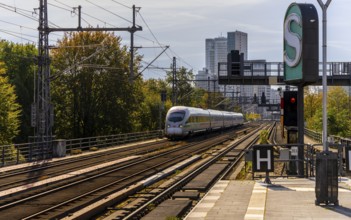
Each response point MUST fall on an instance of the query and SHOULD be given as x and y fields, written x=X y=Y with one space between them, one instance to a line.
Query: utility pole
x=208 y=92
x=132 y=48
x=174 y=71
x=42 y=110
x=42 y=119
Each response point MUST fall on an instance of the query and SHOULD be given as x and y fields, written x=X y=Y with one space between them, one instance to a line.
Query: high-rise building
x=218 y=48
x=210 y=55
x=237 y=41
x=206 y=81
x=216 y=51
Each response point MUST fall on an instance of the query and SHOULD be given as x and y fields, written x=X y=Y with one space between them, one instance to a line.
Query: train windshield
x=176 y=116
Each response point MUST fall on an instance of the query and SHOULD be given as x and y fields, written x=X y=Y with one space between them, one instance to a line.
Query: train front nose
x=174 y=131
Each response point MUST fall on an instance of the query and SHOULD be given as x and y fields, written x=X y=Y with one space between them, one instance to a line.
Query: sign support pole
x=300 y=129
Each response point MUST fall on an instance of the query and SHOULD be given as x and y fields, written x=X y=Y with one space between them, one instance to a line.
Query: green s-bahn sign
x=301 y=44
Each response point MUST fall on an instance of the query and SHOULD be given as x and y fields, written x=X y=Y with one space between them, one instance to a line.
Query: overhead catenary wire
x=86 y=14
x=102 y=8
x=153 y=35
x=182 y=59
x=63 y=6
x=17 y=11
x=14 y=35
x=121 y=4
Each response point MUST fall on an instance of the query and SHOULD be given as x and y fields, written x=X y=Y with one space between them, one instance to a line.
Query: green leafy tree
x=183 y=86
x=312 y=108
x=153 y=111
x=337 y=115
x=20 y=62
x=91 y=90
x=9 y=110
x=199 y=98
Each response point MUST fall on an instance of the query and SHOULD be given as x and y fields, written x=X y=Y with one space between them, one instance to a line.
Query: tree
x=312 y=108
x=153 y=111
x=337 y=115
x=19 y=61
x=91 y=91
x=183 y=85
x=9 y=110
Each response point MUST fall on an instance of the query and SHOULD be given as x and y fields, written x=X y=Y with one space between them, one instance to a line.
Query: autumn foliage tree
x=338 y=112
x=9 y=110
x=91 y=88
x=20 y=63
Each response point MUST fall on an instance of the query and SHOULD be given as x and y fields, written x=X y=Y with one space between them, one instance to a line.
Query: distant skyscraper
x=237 y=41
x=218 y=48
x=210 y=55
x=216 y=51
x=220 y=53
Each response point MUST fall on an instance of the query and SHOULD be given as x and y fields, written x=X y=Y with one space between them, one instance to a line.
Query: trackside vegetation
x=92 y=92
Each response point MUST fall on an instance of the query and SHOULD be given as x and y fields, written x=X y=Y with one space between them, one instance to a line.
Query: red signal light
x=292 y=100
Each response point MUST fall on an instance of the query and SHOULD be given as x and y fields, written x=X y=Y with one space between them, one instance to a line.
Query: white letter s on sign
x=292 y=39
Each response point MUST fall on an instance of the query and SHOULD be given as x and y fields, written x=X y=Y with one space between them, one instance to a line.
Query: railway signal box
x=234 y=62
x=290 y=108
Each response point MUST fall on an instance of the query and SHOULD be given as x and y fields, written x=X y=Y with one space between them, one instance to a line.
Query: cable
x=18 y=33
x=56 y=6
x=121 y=4
x=17 y=25
x=160 y=44
x=152 y=33
x=181 y=59
x=109 y=11
x=86 y=14
x=9 y=33
x=16 y=10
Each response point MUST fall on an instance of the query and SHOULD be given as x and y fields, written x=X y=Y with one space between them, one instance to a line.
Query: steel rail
x=105 y=173
x=170 y=190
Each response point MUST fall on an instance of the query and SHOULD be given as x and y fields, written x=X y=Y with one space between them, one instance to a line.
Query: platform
x=284 y=199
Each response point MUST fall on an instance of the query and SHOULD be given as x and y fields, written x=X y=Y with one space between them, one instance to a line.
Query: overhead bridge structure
x=272 y=73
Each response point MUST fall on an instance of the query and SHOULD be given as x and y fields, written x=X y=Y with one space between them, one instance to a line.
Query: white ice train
x=182 y=121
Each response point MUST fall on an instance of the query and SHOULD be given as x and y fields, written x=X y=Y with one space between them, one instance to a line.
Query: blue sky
x=185 y=24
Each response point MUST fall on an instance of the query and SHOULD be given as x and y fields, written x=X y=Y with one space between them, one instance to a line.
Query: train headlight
x=180 y=126
x=168 y=126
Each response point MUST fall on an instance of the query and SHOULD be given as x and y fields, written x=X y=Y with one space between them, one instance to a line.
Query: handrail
x=27 y=152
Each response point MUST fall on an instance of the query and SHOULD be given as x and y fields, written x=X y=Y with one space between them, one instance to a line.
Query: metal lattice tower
x=42 y=109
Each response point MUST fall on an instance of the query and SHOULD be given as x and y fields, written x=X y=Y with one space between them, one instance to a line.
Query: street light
x=324 y=79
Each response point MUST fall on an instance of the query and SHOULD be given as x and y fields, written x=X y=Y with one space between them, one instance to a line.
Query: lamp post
x=324 y=79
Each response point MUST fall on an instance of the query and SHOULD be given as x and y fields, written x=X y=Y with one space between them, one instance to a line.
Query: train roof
x=193 y=109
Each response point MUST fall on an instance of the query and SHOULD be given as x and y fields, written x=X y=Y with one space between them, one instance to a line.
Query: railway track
x=183 y=183
x=59 y=199
x=45 y=169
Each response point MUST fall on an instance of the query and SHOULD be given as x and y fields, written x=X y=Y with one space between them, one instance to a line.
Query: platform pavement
x=284 y=199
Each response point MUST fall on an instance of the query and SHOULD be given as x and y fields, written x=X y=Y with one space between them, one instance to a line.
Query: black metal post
x=300 y=129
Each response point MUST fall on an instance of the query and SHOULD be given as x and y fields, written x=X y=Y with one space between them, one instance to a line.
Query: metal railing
x=317 y=136
x=28 y=152
x=333 y=139
x=263 y=68
x=289 y=158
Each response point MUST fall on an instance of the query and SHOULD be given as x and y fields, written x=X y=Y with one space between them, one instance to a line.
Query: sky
x=181 y=24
